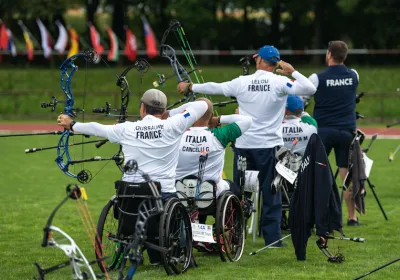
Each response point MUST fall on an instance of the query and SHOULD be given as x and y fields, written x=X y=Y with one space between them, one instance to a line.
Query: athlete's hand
x=64 y=121
x=237 y=110
x=183 y=87
x=214 y=122
x=286 y=68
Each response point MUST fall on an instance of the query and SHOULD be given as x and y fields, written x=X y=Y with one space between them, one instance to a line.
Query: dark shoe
x=353 y=223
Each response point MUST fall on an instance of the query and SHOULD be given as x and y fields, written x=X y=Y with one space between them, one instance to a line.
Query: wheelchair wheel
x=176 y=236
x=107 y=227
x=230 y=227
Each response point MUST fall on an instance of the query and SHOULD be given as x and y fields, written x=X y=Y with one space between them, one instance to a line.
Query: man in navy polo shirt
x=334 y=111
x=261 y=96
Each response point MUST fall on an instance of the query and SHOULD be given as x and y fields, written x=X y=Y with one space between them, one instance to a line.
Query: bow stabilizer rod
x=34 y=150
x=58 y=132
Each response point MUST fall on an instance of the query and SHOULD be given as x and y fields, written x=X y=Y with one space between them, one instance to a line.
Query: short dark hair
x=269 y=63
x=338 y=50
x=150 y=110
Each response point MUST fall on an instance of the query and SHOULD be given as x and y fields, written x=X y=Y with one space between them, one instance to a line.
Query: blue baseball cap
x=269 y=53
x=294 y=104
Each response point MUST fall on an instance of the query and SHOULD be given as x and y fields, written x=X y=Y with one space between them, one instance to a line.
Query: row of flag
x=7 y=41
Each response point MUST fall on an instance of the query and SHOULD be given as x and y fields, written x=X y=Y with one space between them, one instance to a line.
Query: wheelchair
x=229 y=229
x=136 y=219
x=288 y=164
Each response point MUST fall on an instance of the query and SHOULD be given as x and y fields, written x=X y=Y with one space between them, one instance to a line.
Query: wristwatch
x=71 y=125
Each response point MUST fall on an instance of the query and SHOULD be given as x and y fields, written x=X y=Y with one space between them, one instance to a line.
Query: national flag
x=62 y=40
x=46 y=40
x=95 y=38
x=113 y=53
x=130 y=45
x=151 y=44
x=3 y=37
x=74 y=48
x=28 y=40
x=11 y=46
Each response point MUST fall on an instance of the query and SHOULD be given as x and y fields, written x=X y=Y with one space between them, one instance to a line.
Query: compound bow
x=142 y=66
x=64 y=161
x=322 y=244
x=81 y=267
x=181 y=74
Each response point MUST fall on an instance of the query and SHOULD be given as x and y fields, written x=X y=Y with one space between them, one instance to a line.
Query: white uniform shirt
x=292 y=128
x=152 y=142
x=262 y=96
x=201 y=139
x=194 y=141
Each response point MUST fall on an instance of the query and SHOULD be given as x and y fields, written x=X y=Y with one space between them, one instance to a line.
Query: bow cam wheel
x=84 y=176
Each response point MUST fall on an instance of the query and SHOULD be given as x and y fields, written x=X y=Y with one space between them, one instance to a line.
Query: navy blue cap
x=269 y=53
x=295 y=104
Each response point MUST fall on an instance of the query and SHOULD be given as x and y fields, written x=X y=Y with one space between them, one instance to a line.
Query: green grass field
x=30 y=87
x=32 y=185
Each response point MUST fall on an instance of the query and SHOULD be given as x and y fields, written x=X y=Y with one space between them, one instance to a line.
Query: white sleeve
x=115 y=133
x=178 y=110
x=244 y=122
x=314 y=79
x=93 y=129
x=358 y=77
x=302 y=86
x=181 y=122
x=231 y=88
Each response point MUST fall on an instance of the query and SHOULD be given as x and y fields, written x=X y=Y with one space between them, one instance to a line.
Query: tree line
x=240 y=24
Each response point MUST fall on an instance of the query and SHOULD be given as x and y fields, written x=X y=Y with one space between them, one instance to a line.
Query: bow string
x=180 y=72
x=81 y=267
x=64 y=159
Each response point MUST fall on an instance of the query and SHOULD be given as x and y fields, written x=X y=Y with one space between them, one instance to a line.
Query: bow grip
x=46 y=235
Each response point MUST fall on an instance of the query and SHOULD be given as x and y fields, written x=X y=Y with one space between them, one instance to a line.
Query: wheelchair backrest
x=186 y=191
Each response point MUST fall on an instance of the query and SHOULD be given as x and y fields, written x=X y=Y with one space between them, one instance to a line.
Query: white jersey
x=262 y=96
x=194 y=141
x=152 y=142
x=300 y=128
x=198 y=140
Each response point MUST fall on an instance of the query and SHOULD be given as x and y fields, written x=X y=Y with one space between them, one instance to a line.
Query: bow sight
x=245 y=61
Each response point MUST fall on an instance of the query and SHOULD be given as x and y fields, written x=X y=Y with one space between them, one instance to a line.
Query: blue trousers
x=263 y=160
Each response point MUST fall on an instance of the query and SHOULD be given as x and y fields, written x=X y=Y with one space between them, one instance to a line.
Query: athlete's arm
x=243 y=122
x=306 y=118
x=231 y=88
x=314 y=80
x=194 y=111
x=238 y=124
x=93 y=129
x=302 y=86
x=178 y=110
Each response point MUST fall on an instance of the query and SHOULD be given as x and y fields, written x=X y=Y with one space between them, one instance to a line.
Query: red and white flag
x=130 y=45
x=151 y=44
x=113 y=53
x=46 y=40
x=95 y=38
